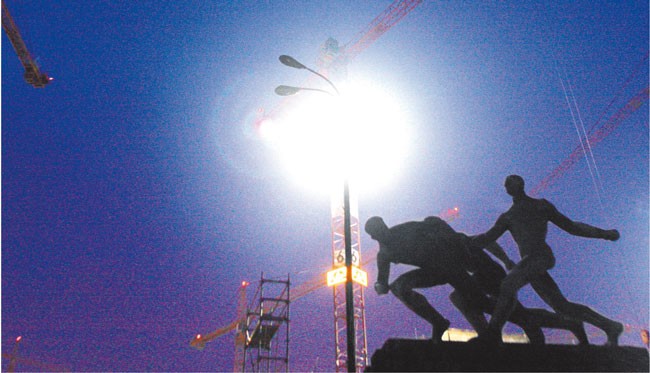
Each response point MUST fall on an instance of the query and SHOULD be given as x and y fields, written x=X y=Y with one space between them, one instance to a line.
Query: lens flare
x=362 y=135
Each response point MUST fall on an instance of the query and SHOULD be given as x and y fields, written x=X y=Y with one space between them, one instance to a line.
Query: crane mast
x=337 y=60
x=342 y=337
x=33 y=74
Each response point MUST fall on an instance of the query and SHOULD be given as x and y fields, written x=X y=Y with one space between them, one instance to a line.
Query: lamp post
x=284 y=90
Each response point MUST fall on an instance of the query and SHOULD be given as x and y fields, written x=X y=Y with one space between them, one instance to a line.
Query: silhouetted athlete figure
x=487 y=275
x=438 y=251
x=527 y=220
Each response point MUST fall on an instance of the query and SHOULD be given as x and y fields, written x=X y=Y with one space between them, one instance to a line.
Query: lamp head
x=291 y=62
x=285 y=90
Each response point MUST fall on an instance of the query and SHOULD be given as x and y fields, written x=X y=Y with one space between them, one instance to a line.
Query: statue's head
x=376 y=228
x=514 y=185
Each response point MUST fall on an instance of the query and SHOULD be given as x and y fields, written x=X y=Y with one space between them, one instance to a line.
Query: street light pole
x=349 y=290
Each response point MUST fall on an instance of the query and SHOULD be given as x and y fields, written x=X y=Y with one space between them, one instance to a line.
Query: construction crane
x=333 y=56
x=394 y=13
x=334 y=59
x=595 y=137
x=315 y=283
x=318 y=282
x=14 y=359
x=382 y=23
x=14 y=355
x=351 y=329
x=199 y=340
x=33 y=74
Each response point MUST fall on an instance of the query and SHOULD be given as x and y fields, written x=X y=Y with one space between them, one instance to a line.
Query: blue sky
x=137 y=195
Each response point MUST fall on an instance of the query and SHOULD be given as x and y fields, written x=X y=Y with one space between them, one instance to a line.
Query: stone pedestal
x=409 y=355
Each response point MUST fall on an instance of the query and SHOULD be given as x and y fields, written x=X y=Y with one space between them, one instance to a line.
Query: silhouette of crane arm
x=33 y=75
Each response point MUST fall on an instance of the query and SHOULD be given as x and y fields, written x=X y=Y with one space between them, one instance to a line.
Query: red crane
x=382 y=23
x=14 y=359
x=333 y=57
x=33 y=74
x=595 y=137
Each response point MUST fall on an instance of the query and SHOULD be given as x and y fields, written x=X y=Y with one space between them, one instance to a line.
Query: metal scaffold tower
x=266 y=348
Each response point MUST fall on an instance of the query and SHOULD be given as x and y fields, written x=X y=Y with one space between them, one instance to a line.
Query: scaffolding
x=267 y=328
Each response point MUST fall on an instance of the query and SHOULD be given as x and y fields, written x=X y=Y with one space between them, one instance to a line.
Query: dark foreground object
x=411 y=355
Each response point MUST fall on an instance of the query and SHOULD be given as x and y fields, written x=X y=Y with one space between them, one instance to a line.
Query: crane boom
x=317 y=282
x=382 y=23
x=14 y=359
x=309 y=286
x=200 y=340
x=33 y=74
x=595 y=137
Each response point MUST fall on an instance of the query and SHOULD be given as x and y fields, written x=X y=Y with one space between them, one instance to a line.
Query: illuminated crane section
x=33 y=74
x=334 y=58
x=318 y=281
x=337 y=276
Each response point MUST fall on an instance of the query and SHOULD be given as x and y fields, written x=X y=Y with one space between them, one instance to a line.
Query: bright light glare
x=363 y=134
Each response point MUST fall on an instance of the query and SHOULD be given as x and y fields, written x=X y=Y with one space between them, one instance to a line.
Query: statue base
x=411 y=355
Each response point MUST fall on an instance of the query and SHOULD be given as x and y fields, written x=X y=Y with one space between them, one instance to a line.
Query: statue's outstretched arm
x=580 y=229
x=499 y=228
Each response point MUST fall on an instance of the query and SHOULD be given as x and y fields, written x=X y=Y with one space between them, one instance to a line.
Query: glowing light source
x=338 y=276
x=362 y=134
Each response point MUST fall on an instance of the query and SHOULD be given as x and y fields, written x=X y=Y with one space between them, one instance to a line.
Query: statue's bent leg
x=547 y=319
x=403 y=287
x=548 y=290
x=523 y=273
x=531 y=325
x=472 y=312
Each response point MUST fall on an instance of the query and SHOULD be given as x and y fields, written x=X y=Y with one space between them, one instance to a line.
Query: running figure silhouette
x=527 y=221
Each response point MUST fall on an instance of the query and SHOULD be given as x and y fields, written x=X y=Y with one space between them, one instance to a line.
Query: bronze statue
x=527 y=221
x=443 y=257
x=438 y=252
